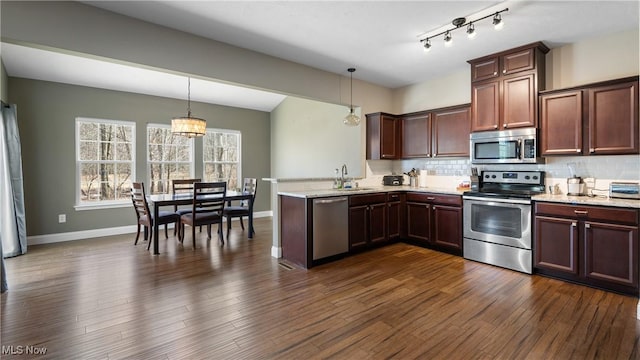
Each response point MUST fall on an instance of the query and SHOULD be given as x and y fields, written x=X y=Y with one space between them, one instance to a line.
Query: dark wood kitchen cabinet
x=383 y=136
x=396 y=228
x=367 y=221
x=504 y=88
x=595 y=119
x=440 y=132
x=596 y=246
x=416 y=135
x=435 y=221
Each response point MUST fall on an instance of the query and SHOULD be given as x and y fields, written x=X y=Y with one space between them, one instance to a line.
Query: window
x=168 y=157
x=221 y=157
x=105 y=162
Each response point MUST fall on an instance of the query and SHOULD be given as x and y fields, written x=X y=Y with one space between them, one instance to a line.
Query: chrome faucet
x=343 y=173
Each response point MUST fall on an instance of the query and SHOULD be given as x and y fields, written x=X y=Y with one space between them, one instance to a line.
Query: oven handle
x=490 y=200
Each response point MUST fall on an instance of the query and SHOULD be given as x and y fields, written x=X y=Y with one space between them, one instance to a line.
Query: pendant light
x=352 y=119
x=188 y=126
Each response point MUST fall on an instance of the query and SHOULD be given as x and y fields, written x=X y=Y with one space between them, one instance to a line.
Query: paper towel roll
x=422 y=179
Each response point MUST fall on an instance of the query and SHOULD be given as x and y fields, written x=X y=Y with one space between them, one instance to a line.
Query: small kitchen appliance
x=394 y=180
x=624 y=190
x=575 y=186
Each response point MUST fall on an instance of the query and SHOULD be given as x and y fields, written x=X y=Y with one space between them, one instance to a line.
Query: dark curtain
x=13 y=233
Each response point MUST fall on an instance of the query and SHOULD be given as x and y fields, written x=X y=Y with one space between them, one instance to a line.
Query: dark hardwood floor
x=108 y=299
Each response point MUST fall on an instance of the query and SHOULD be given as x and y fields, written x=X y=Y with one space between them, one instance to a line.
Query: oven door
x=499 y=221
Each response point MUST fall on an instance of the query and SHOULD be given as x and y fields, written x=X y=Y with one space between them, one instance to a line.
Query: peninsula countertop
x=308 y=194
x=588 y=200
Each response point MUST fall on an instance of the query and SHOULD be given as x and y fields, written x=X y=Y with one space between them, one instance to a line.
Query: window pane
x=123 y=151
x=89 y=182
x=88 y=131
x=88 y=150
x=106 y=151
x=169 y=157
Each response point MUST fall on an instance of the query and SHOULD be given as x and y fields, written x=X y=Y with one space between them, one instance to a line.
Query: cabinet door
x=450 y=131
x=519 y=105
x=613 y=119
x=419 y=222
x=611 y=253
x=378 y=223
x=389 y=137
x=561 y=123
x=447 y=227
x=518 y=61
x=416 y=136
x=556 y=245
x=485 y=105
x=358 y=227
x=484 y=69
x=393 y=220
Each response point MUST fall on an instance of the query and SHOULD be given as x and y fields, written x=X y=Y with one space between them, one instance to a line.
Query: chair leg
x=146 y=232
x=166 y=234
x=208 y=231
x=241 y=223
x=220 y=233
x=193 y=235
x=137 y=235
x=228 y=224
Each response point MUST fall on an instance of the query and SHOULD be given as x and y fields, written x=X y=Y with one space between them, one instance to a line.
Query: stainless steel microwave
x=518 y=146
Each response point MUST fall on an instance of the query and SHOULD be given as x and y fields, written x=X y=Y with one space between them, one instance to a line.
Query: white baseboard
x=96 y=233
x=276 y=252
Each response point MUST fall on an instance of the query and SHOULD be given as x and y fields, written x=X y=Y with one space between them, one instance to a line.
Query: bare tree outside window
x=221 y=157
x=105 y=160
x=169 y=157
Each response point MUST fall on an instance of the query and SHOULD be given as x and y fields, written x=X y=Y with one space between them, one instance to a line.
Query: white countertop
x=587 y=200
x=367 y=190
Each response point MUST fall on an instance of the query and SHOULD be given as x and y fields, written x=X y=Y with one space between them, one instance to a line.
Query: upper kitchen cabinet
x=383 y=136
x=595 y=119
x=504 y=88
x=441 y=132
x=416 y=135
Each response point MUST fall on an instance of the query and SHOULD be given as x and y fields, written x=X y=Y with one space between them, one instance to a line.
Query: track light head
x=497 y=21
x=448 y=40
x=471 y=31
x=427 y=45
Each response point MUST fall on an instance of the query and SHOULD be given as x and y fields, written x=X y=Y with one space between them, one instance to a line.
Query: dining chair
x=207 y=208
x=250 y=185
x=182 y=186
x=145 y=216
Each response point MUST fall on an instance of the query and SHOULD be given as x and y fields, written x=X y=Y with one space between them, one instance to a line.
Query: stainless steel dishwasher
x=330 y=226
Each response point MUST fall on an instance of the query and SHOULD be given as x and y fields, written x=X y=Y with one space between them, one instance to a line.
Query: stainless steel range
x=497 y=218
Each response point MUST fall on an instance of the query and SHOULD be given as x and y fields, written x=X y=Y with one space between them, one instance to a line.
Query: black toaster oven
x=396 y=180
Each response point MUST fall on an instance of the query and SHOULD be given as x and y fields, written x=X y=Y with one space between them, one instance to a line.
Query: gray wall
x=46 y=120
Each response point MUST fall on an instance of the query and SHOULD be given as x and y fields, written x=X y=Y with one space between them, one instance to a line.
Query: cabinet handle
x=574 y=224
x=504 y=126
x=495 y=73
x=592 y=150
x=504 y=71
x=587 y=226
x=435 y=154
x=431 y=198
x=577 y=150
x=581 y=212
x=495 y=126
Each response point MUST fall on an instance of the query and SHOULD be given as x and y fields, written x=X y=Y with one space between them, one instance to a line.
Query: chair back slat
x=209 y=197
x=138 y=196
x=183 y=185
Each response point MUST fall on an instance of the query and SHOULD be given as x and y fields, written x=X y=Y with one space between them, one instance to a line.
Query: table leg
x=156 y=230
x=251 y=219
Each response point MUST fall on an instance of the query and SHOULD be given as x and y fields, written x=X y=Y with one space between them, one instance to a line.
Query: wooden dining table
x=160 y=200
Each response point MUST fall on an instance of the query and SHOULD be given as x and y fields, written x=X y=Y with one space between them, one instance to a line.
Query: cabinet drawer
x=366 y=199
x=394 y=197
x=454 y=200
x=609 y=214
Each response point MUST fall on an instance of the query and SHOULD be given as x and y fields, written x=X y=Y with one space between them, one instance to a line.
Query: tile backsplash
x=603 y=169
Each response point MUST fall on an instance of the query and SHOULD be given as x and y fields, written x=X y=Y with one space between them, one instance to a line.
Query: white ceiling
x=379 y=38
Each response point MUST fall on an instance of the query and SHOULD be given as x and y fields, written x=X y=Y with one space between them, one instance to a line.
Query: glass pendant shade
x=188 y=126
x=352 y=119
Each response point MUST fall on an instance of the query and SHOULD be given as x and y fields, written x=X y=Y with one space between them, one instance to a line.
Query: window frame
x=239 y=151
x=103 y=204
x=149 y=164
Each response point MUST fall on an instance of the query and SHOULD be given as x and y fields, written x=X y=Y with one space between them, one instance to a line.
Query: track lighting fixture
x=498 y=23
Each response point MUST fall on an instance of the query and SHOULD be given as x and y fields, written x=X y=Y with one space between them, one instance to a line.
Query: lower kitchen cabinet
x=367 y=221
x=435 y=221
x=596 y=246
x=396 y=224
